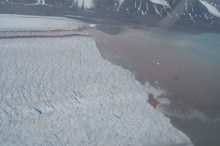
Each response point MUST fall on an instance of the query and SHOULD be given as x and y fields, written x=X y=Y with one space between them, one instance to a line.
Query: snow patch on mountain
x=161 y=2
x=87 y=4
x=120 y=1
x=212 y=10
x=43 y=2
x=39 y=2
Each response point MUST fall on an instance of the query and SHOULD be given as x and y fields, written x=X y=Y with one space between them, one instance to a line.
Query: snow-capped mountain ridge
x=192 y=10
x=196 y=10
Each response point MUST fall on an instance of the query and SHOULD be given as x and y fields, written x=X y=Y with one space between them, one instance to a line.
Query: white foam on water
x=157 y=92
x=92 y=25
x=151 y=89
x=60 y=91
x=164 y=101
x=190 y=114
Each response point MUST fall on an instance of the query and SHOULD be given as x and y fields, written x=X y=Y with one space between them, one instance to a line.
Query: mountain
x=193 y=12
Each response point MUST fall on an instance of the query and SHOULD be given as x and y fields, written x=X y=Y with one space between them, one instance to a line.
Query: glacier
x=60 y=91
x=28 y=23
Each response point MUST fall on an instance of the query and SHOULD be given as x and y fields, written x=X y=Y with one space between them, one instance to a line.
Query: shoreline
x=111 y=18
x=177 y=71
x=183 y=71
x=65 y=89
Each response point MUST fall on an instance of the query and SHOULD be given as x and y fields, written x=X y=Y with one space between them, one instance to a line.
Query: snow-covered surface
x=38 y=2
x=161 y=2
x=60 y=91
x=43 y=2
x=211 y=8
x=10 y=23
x=75 y=17
x=48 y=33
x=86 y=3
x=92 y=25
x=157 y=11
x=120 y=1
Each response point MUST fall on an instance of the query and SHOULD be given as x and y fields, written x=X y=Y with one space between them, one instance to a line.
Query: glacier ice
x=28 y=23
x=60 y=91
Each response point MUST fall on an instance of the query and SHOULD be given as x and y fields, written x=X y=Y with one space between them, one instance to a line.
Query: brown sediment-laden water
x=186 y=66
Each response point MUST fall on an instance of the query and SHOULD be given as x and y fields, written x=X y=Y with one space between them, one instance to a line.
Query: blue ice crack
x=39 y=111
x=117 y=116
